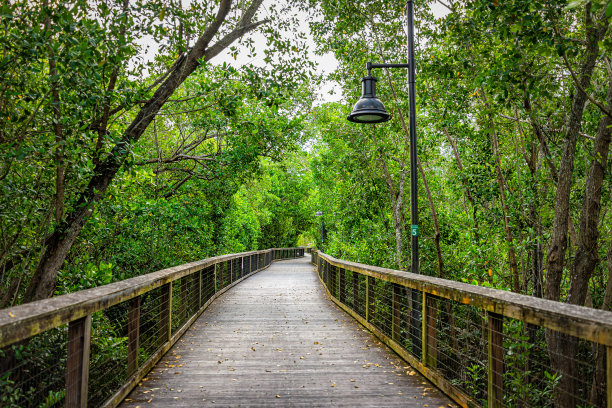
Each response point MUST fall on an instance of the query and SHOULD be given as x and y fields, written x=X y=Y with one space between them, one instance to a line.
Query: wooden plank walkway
x=277 y=340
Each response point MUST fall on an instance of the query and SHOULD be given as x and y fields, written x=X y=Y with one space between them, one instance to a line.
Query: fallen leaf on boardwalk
x=352 y=380
x=316 y=342
x=333 y=385
x=253 y=348
x=356 y=386
x=149 y=401
x=301 y=358
x=277 y=396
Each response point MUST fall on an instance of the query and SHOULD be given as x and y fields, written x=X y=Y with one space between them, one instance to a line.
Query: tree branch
x=577 y=82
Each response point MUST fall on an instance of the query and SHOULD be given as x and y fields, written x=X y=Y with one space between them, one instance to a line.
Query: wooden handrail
x=24 y=321
x=583 y=322
x=19 y=323
x=576 y=321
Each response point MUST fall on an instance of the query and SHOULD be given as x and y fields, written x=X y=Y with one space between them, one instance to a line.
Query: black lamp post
x=369 y=109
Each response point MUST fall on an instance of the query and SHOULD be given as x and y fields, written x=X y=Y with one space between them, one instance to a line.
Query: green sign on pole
x=414 y=230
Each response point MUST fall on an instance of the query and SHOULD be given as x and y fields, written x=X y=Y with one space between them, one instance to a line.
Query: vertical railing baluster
x=496 y=363
x=133 y=334
x=77 y=364
x=165 y=315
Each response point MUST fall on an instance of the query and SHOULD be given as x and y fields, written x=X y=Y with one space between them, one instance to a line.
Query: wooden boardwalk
x=277 y=340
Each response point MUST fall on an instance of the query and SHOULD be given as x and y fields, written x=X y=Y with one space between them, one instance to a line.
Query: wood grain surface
x=277 y=340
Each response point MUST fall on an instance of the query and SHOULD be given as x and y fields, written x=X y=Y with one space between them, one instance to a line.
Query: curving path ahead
x=276 y=339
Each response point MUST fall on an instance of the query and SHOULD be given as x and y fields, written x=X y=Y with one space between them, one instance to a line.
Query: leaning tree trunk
x=56 y=247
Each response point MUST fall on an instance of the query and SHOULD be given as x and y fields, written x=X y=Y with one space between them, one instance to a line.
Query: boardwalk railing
x=482 y=346
x=90 y=348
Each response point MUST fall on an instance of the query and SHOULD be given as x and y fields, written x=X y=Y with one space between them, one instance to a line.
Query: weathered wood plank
x=77 y=362
x=277 y=340
x=495 y=351
x=133 y=334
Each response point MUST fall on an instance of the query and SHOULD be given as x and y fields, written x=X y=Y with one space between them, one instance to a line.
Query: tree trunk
x=561 y=348
x=586 y=258
x=597 y=395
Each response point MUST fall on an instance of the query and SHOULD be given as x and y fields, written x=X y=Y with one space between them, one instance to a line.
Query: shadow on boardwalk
x=276 y=339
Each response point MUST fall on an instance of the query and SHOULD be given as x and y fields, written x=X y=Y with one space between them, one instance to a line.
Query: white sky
x=327 y=63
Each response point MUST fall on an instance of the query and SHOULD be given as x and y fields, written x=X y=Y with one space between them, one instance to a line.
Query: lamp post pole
x=414 y=215
x=369 y=109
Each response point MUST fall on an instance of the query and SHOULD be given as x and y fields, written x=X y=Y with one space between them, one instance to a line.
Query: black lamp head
x=369 y=109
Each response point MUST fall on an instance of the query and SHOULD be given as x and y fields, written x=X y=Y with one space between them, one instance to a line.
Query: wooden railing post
x=199 y=283
x=165 y=316
x=368 y=297
x=355 y=290
x=397 y=313
x=133 y=334
x=341 y=285
x=609 y=375
x=334 y=281
x=77 y=364
x=496 y=360
x=215 y=277
x=424 y=333
x=184 y=298
x=194 y=278
x=428 y=330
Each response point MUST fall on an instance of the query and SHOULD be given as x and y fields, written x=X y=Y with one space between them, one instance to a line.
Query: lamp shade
x=369 y=109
